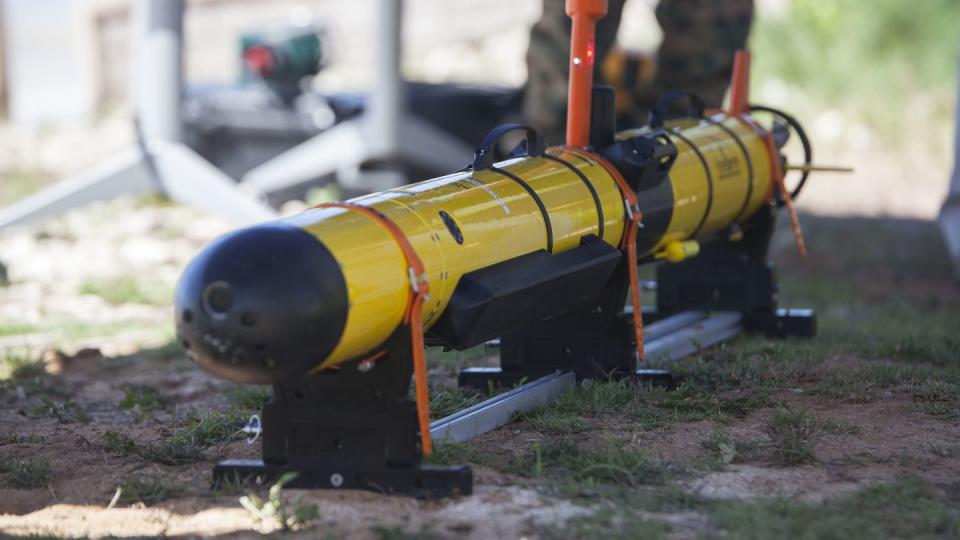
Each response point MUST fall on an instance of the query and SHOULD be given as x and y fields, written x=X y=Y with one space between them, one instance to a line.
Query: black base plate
x=783 y=323
x=422 y=481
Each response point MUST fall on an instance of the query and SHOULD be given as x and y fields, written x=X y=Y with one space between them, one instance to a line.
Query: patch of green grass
x=17 y=182
x=704 y=395
x=247 y=397
x=552 y=422
x=791 y=436
x=938 y=398
x=119 y=443
x=22 y=439
x=447 y=401
x=66 y=412
x=726 y=450
x=25 y=474
x=147 y=490
x=16 y=329
x=932 y=349
x=127 y=290
x=612 y=464
x=200 y=433
x=143 y=400
x=561 y=459
x=863 y=56
x=19 y=365
x=907 y=509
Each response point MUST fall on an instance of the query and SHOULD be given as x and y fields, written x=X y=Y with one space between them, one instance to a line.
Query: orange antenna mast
x=740 y=84
x=585 y=14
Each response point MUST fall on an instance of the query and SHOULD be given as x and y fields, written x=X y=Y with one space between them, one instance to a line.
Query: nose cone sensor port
x=261 y=305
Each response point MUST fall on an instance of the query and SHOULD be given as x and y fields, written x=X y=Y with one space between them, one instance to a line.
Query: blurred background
x=872 y=80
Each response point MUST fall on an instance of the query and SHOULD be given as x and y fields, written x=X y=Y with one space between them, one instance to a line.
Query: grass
x=25 y=474
x=119 y=443
x=127 y=290
x=147 y=490
x=791 y=436
x=16 y=183
x=711 y=390
x=726 y=450
x=552 y=422
x=906 y=509
x=19 y=365
x=143 y=401
x=66 y=412
x=446 y=401
x=189 y=443
x=561 y=459
x=17 y=329
x=862 y=56
x=247 y=397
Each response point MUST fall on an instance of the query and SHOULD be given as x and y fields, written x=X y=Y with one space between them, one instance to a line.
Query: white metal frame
x=386 y=131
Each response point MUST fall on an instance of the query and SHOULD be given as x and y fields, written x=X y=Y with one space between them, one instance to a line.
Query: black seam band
x=536 y=198
x=706 y=168
x=746 y=155
x=593 y=190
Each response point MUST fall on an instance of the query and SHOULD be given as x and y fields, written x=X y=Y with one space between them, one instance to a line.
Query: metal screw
x=336 y=480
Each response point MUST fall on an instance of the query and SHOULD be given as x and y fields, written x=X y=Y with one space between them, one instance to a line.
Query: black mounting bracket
x=349 y=428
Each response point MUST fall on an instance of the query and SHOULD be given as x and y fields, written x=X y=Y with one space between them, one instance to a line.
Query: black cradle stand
x=349 y=429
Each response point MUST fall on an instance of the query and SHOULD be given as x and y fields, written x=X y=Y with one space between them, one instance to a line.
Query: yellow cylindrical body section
x=722 y=175
x=475 y=219
x=492 y=213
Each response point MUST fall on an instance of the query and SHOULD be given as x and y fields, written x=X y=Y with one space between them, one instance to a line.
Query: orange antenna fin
x=740 y=84
x=584 y=14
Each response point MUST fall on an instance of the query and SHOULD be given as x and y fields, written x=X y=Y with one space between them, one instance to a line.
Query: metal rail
x=498 y=410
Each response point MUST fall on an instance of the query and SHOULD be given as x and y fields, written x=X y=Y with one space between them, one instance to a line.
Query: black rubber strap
x=536 y=198
x=746 y=155
x=706 y=168
x=586 y=182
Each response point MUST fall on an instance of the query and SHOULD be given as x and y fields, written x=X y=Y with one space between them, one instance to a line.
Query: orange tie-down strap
x=780 y=178
x=413 y=316
x=628 y=243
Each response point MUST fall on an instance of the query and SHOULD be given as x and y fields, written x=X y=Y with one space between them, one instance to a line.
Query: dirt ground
x=110 y=431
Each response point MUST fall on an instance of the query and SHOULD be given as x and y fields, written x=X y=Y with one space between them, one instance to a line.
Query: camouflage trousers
x=699 y=41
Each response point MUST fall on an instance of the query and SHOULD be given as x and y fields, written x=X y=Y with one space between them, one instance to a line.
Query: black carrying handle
x=483 y=157
x=695 y=106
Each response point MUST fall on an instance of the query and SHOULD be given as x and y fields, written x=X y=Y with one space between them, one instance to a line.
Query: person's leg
x=700 y=38
x=950 y=212
x=545 y=96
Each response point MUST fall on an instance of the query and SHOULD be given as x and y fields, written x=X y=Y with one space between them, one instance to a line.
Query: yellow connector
x=677 y=251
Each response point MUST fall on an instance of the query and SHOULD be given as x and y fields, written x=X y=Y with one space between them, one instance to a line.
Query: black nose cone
x=262 y=305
